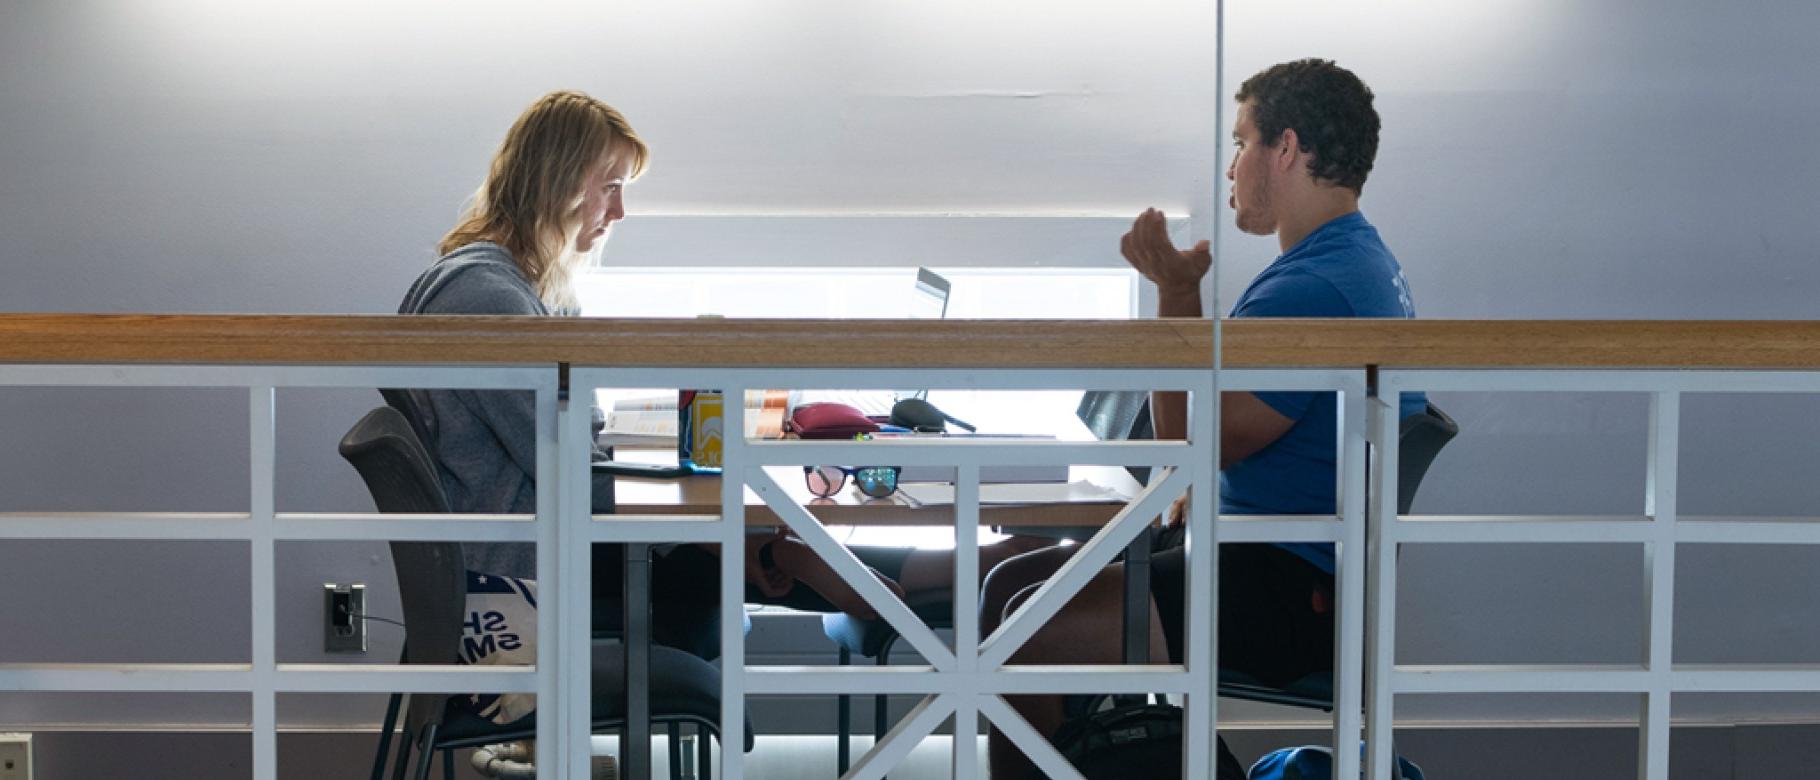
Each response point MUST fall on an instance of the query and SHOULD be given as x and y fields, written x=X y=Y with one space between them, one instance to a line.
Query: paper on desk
x=1079 y=491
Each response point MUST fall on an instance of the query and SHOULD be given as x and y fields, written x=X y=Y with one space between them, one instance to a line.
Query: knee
x=1037 y=649
x=1016 y=574
x=1083 y=631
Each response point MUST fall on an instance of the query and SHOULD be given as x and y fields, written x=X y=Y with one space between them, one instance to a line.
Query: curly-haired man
x=1305 y=138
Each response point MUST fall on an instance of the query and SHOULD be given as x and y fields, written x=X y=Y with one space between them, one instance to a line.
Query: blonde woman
x=554 y=190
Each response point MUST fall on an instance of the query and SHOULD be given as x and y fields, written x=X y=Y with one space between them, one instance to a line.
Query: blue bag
x=1313 y=763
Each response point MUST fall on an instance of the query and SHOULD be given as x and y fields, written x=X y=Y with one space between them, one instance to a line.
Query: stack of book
x=651 y=421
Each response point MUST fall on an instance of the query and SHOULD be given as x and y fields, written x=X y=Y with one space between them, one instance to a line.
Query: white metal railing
x=968 y=683
x=1658 y=531
x=969 y=680
x=262 y=527
x=964 y=684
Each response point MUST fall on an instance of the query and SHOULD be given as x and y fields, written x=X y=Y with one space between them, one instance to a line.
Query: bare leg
x=930 y=572
x=923 y=575
x=799 y=561
x=1084 y=632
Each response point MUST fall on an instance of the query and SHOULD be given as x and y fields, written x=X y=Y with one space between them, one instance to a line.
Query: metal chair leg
x=881 y=705
x=448 y=765
x=406 y=745
x=843 y=728
x=426 y=753
x=675 y=730
x=704 y=752
x=385 y=735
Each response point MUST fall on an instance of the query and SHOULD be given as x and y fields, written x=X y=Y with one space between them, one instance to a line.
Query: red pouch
x=829 y=421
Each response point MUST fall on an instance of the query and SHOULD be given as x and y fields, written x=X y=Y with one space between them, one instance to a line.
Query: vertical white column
x=966 y=737
x=1202 y=601
x=1381 y=589
x=1659 y=582
x=551 y=730
x=574 y=568
x=966 y=617
x=733 y=584
x=262 y=467
x=1201 y=648
x=1349 y=649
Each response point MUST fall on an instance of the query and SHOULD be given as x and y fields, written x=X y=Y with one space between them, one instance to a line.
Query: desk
x=1050 y=412
x=701 y=494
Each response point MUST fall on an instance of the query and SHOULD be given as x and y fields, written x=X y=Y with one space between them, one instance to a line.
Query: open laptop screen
x=930 y=301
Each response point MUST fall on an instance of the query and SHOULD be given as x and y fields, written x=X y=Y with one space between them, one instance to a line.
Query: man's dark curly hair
x=1330 y=110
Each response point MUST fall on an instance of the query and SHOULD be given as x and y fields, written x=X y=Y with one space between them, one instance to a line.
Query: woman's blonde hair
x=534 y=187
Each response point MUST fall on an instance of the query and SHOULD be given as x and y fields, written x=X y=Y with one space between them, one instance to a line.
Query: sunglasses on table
x=874 y=481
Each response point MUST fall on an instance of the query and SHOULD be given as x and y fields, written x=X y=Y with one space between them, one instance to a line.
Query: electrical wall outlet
x=344 y=609
x=15 y=757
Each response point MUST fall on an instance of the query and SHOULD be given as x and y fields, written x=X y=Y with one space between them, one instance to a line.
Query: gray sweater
x=485 y=441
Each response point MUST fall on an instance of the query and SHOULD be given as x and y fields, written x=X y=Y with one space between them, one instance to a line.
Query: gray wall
x=1540 y=159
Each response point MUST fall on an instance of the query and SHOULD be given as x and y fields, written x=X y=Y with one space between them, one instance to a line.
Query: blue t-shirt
x=1342 y=269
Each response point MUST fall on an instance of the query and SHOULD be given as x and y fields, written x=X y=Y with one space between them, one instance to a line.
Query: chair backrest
x=407 y=403
x=1118 y=415
x=1419 y=440
x=432 y=579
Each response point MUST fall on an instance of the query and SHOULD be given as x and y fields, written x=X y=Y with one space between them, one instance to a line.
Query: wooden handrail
x=1728 y=344
x=1176 y=343
x=128 y=338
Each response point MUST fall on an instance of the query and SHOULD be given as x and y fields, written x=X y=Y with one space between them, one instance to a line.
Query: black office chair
x=1420 y=438
x=432 y=588
x=1114 y=415
x=1122 y=415
x=1118 y=415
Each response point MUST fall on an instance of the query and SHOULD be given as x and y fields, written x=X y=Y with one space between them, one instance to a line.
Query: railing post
x=553 y=607
x=262 y=469
x=1381 y=590
x=966 y=617
x=1348 y=678
x=1202 y=548
x=733 y=581
x=574 y=570
x=1659 y=583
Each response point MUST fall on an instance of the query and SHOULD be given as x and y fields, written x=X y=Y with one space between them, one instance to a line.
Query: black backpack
x=1132 y=742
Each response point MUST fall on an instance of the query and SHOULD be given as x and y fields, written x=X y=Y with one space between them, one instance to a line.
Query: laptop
x=928 y=301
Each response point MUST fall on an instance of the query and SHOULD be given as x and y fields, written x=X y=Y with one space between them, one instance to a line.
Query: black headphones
x=921 y=416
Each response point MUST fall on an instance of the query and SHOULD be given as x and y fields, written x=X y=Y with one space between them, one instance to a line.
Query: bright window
x=856 y=293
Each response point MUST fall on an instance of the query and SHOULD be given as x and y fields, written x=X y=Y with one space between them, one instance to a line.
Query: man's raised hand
x=1148 y=249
